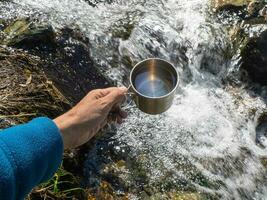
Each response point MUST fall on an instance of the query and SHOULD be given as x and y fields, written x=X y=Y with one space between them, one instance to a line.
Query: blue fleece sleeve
x=29 y=154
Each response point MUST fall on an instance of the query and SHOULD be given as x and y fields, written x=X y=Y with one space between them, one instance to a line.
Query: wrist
x=64 y=123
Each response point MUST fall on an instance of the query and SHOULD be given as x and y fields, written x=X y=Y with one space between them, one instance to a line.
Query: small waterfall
x=206 y=142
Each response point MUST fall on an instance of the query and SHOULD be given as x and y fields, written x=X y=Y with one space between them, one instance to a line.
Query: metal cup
x=153 y=83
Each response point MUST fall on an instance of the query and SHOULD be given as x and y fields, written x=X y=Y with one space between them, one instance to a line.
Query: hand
x=83 y=121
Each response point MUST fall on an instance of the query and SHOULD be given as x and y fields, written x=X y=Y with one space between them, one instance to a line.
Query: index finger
x=115 y=96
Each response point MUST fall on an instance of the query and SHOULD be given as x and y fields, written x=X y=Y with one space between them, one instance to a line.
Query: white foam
x=209 y=129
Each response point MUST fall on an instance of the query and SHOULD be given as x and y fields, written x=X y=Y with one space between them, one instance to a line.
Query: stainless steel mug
x=153 y=84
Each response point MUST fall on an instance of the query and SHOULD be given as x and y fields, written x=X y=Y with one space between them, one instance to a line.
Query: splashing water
x=206 y=142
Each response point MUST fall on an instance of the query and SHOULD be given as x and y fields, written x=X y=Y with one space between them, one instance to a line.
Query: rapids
x=206 y=142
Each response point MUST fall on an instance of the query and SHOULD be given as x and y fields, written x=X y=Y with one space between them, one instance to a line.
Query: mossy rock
x=25 y=91
x=185 y=196
x=176 y=196
x=264 y=162
x=25 y=33
x=219 y=5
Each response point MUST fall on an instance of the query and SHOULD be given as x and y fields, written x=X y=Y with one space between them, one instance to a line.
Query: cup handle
x=129 y=98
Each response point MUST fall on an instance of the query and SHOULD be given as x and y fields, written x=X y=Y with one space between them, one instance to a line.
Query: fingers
x=106 y=91
x=120 y=115
x=123 y=114
x=112 y=98
x=99 y=93
x=119 y=119
x=118 y=111
x=103 y=123
x=117 y=115
x=115 y=118
x=115 y=96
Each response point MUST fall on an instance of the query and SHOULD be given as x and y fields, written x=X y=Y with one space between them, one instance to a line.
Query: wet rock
x=237 y=37
x=254 y=58
x=65 y=55
x=185 y=196
x=157 y=196
x=110 y=168
x=110 y=180
x=174 y=196
x=105 y=192
x=25 y=33
x=243 y=9
x=123 y=27
x=127 y=174
x=69 y=65
x=248 y=50
x=220 y=5
x=264 y=161
x=3 y=24
x=254 y=7
x=261 y=131
x=263 y=12
x=95 y=2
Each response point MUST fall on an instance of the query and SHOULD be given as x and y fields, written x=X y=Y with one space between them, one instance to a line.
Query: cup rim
x=159 y=97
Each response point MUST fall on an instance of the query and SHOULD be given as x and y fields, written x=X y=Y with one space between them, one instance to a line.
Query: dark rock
x=3 y=24
x=95 y=2
x=230 y=7
x=220 y=4
x=69 y=65
x=261 y=131
x=244 y=38
x=247 y=12
x=254 y=58
x=65 y=56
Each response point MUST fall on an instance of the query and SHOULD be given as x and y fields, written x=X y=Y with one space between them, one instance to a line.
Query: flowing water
x=205 y=144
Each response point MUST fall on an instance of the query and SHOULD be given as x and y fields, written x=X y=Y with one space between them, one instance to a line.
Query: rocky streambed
x=210 y=145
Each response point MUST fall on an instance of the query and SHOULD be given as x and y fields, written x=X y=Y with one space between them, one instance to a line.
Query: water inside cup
x=153 y=84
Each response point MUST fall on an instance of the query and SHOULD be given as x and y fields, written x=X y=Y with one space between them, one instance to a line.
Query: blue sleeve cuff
x=34 y=151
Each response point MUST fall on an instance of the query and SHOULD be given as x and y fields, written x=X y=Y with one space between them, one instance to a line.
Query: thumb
x=116 y=96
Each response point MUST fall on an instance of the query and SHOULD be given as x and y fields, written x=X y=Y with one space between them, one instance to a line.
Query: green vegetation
x=64 y=185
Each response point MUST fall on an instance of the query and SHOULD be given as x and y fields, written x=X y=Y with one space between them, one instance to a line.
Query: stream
x=205 y=144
